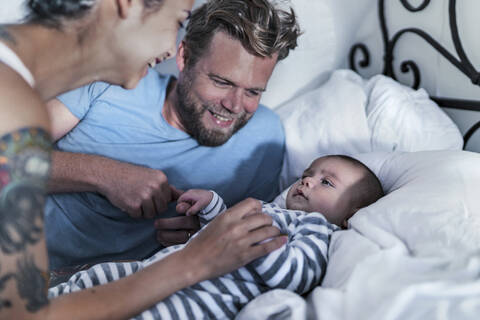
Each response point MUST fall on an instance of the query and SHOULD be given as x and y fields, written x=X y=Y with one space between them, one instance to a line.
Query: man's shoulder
x=265 y=114
x=152 y=82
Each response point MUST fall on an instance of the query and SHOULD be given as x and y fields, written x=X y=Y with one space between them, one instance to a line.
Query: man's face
x=218 y=95
x=326 y=187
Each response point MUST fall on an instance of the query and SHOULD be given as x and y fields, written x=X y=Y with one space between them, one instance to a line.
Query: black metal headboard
x=462 y=63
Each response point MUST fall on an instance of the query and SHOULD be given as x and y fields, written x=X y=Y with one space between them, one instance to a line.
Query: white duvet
x=414 y=254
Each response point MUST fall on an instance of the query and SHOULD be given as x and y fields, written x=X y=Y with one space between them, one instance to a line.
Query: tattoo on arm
x=5 y=303
x=5 y=35
x=24 y=168
x=32 y=283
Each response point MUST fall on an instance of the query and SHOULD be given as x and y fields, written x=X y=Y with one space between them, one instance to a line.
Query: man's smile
x=220 y=120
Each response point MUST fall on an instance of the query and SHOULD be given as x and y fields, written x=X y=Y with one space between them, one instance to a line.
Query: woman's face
x=149 y=38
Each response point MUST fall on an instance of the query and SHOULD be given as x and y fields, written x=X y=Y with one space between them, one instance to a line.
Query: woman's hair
x=262 y=29
x=53 y=13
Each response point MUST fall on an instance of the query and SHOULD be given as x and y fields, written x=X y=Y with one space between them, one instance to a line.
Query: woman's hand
x=232 y=240
x=193 y=200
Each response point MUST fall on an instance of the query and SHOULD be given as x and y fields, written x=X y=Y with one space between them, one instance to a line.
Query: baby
x=330 y=191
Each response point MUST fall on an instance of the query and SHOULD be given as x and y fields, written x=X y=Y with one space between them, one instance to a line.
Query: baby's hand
x=193 y=200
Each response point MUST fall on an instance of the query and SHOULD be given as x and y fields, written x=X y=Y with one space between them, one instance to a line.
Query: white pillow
x=399 y=116
x=432 y=201
x=349 y=115
x=328 y=120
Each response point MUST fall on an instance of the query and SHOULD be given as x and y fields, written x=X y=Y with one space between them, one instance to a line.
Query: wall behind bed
x=438 y=76
x=11 y=11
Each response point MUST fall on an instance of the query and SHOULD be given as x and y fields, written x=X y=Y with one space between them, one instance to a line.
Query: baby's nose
x=307 y=181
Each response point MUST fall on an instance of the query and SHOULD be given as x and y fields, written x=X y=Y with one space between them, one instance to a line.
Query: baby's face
x=325 y=187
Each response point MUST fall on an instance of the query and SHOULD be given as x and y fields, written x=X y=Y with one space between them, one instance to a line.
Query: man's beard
x=191 y=117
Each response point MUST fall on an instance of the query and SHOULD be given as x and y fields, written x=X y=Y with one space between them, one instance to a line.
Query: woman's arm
x=225 y=244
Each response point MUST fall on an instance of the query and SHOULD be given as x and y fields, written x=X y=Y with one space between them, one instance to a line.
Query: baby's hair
x=369 y=189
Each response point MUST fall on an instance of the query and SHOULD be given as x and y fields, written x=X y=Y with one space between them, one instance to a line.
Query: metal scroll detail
x=462 y=63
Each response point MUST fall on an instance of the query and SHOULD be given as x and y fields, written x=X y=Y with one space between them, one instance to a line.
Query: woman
x=65 y=44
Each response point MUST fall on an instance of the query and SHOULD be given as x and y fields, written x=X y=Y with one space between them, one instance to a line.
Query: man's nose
x=233 y=100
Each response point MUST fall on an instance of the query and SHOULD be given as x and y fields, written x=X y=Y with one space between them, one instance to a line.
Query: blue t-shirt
x=127 y=125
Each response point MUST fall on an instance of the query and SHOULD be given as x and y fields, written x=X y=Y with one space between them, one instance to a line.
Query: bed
x=414 y=254
x=348 y=88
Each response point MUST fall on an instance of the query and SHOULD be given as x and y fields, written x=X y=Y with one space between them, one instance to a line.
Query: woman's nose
x=171 y=52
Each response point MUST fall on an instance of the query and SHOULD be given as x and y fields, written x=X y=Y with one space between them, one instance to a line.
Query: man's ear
x=123 y=8
x=180 y=58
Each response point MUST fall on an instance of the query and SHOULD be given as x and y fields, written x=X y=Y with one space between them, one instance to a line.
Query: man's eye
x=252 y=93
x=220 y=83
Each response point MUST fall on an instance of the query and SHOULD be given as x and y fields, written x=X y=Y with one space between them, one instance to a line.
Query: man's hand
x=193 y=200
x=139 y=191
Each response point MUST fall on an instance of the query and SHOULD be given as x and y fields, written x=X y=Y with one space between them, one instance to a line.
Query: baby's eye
x=326 y=183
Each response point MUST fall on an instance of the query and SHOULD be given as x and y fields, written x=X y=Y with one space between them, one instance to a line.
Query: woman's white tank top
x=10 y=58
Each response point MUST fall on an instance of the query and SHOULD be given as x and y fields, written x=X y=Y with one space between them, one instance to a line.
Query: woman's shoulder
x=20 y=105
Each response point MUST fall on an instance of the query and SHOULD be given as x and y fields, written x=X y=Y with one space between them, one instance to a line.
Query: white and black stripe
x=299 y=266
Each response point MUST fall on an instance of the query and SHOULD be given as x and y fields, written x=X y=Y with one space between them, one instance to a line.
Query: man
x=125 y=155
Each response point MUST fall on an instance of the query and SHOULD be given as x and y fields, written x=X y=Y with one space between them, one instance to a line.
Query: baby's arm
x=300 y=265
x=207 y=203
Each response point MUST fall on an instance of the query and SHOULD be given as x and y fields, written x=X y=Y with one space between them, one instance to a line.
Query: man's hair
x=53 y=13
x=262 y=29
x=368 y=189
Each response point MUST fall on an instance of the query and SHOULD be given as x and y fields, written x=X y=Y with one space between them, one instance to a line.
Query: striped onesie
x=298 y=266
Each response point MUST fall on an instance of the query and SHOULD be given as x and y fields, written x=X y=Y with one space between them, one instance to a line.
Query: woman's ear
x=123 y=8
